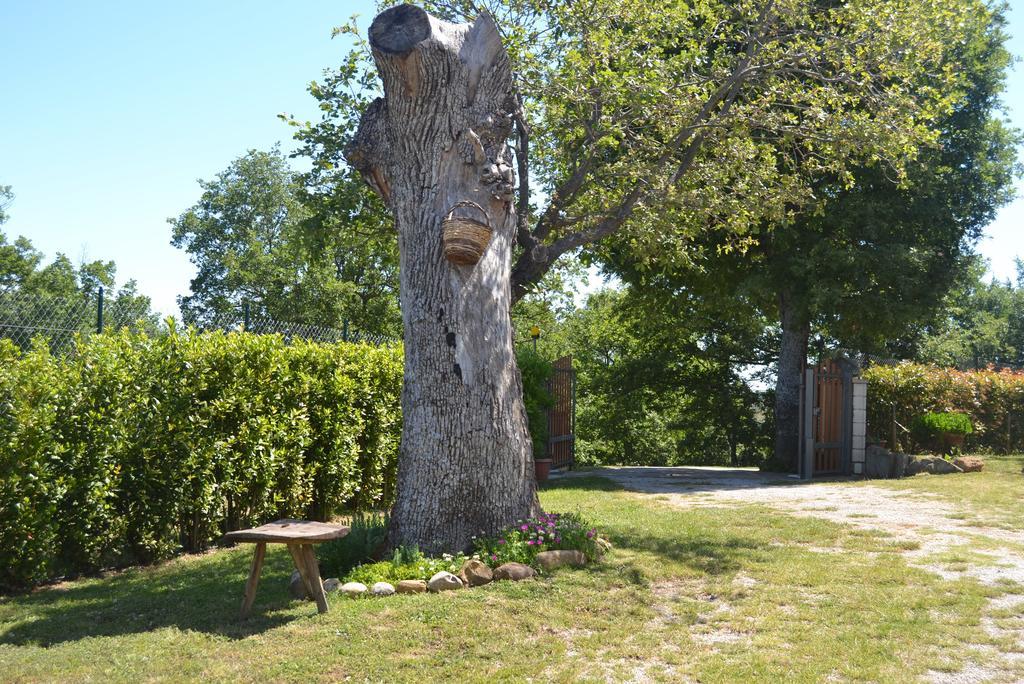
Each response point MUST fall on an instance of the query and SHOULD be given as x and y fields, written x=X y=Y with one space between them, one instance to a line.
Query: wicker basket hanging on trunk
x=465 y=239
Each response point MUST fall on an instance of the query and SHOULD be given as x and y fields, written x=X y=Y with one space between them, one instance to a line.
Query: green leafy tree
x=348 y=230
x=981 y=323
x=6 y=197
x=871 y=264
x=660 y=381
x=259 y=236
x=58 y=299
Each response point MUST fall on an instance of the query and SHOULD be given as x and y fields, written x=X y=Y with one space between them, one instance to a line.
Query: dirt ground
x=932 y=525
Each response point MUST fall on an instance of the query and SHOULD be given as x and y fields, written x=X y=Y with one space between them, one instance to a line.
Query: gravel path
x=934 y=524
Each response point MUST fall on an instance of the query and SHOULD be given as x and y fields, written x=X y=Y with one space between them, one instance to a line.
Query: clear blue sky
x=110 y=111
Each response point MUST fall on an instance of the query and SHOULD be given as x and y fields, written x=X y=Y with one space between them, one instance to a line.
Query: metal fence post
x=99 y=312
x=245 y=316
x=344 y=330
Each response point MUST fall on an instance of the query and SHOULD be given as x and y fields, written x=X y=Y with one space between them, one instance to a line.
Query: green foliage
x=406 y=564
x=866 y=264
x=658 y=379
x=981 y=323
x=934 y=424
x=520 y=543
x=58 y=295
x=657 y=121
x=536 y=371
x=134 y=448
x=6 y=197
x=262 y=234
x=364 y=540
x=992 y=400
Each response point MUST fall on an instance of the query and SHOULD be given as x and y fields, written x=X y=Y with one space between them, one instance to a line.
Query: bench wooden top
x=289 y=531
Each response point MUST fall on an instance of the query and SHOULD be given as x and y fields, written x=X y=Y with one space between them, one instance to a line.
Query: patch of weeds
x=906 y=545
x=962 y=558
x=364 y=541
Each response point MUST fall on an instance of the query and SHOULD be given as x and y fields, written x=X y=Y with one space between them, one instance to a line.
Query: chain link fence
x=27 y=316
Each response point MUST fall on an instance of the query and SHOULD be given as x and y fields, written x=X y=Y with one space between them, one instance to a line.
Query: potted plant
x=542 y=467
x=943 y=432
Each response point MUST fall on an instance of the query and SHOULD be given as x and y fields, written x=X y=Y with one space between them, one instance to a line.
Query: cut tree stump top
x=289 y=531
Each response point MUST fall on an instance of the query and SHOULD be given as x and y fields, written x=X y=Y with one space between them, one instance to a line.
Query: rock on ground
x=549 y=560
x=444 y=581
x=353 y=589
x=935 y=465
x=475 y=573
x=296 y=587
x=382 y=589
x=514 y=572
x=969 y=464
x=411 y=587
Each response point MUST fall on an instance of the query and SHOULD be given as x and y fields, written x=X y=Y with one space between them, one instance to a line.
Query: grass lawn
x=709 y=594
x=993 y=497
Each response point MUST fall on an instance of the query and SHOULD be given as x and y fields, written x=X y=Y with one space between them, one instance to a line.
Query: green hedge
x=134 y=448
x=993 y=400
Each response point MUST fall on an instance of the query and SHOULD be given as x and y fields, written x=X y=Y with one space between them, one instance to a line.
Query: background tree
x=294 y=254
x=665 y=381
x=980 y=323
x=58 y=297
x=873 y=262
x=6 y=197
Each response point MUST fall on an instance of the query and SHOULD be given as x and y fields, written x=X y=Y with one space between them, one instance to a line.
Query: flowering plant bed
x=520 y=543
x=518 y=552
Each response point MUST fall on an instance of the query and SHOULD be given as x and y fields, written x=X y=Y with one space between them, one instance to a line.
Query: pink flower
x=501 y=541
x=494 y=557
x=590 y=533
x=524 y=528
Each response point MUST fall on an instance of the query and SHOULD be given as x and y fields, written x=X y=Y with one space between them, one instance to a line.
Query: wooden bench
x=299 y=535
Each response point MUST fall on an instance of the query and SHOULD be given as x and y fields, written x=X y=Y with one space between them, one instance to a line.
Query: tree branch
x=533 y=263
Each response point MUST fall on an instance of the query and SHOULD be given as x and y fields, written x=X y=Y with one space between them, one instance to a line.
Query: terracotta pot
x=543 y=468
x=952 y=440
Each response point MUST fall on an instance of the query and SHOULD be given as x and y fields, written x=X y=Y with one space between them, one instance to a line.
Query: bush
x=931 y=425
x=992 y=400
x=405 y=564
x=132 y=448
x=364 y=540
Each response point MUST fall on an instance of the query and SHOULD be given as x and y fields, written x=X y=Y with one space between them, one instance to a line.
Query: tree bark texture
x=792 y=357
x=437 y=138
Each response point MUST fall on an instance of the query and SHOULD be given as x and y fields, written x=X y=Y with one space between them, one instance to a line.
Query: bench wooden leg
x=313 y=572
x=300 y=564
x=305 y=563
x=254 y=578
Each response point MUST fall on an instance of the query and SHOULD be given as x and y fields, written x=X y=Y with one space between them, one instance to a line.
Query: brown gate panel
x=828 y=423
x=562 y=416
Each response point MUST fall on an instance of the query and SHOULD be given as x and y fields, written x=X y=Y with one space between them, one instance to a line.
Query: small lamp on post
x=535 y=334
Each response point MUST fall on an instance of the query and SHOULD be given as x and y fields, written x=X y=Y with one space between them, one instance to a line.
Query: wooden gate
x=562 y=416
x=825 y=420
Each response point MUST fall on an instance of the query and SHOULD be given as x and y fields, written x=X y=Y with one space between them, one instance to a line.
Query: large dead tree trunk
x=438 y=138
